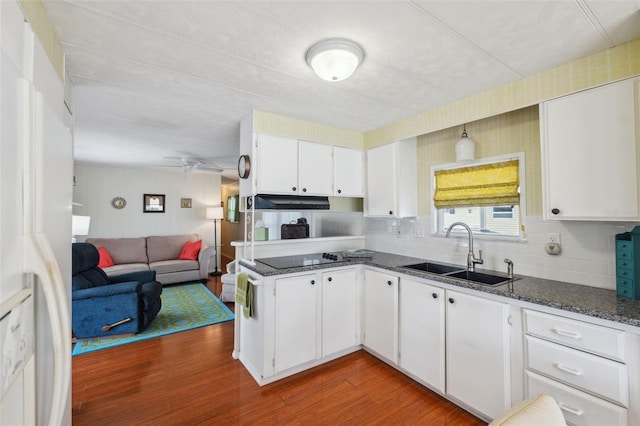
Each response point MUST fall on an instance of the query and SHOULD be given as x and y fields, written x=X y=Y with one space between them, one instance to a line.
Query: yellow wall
x=278 y=125
x=610 y=65
x=39 y=22
x=513 y=132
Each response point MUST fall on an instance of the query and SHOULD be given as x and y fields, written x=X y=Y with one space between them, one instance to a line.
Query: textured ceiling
x=157 y=79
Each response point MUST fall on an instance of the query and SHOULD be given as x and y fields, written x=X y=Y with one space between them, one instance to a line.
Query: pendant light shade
x=335 y=59
x=465 y=147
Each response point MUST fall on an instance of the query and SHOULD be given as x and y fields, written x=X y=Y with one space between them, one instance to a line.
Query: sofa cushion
x=190 y=250
x=123 y=250
x=167 y=247
x=166 y=266
x=126 y=267
x=105 y=258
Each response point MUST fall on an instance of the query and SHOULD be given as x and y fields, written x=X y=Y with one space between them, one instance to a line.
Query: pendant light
x=465 y=147
x=334 y=59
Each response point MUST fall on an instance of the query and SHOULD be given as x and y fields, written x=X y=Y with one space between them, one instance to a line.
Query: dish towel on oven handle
x=244 y=294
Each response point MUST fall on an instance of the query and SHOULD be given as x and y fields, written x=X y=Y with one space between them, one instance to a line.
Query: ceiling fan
x=190 y=164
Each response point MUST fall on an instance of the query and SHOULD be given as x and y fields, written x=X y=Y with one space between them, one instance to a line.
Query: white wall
x=96 y=186
x=587 y=257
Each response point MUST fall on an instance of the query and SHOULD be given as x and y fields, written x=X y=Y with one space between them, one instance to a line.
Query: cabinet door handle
x=339 y=191
x=574 y=371
x=451 y=300
x=574 y=411
x=304 y=189
x=313 y=282
x=434 y=295
x=569 y=334
x=294 y=189
x=555 y=211
x=390 y=212
x=389 y=282
x=329 y=279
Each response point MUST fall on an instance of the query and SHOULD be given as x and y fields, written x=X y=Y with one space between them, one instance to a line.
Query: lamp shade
x=80 y=225
x=334 y=59
x=465 y=148
x=214 y=213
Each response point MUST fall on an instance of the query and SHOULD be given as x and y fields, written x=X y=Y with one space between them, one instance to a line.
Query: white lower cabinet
x=316 y=315
x=421 y=332
x=381 y=314
x=581 y=365
x=297 y=321
x=477 y=352
x=579 y=408
x=339 y=311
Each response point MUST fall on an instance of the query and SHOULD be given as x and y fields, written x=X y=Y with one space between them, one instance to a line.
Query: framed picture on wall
x=185 y=203
x=153 y=203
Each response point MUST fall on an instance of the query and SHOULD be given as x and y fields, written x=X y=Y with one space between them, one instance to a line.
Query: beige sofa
x=160 y=253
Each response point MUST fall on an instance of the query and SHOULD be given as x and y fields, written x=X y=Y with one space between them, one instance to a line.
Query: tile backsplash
x=587 y=256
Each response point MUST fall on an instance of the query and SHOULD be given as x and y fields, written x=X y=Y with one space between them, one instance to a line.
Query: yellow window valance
x=495 y=184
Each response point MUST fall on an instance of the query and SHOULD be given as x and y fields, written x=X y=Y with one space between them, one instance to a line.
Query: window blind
x=495 y=184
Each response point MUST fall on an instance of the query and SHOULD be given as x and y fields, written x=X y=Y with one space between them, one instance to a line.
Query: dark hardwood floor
x=190 y=378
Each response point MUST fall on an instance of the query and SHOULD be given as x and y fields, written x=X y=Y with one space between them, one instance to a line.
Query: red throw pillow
x=105 y=258
x=191 y=250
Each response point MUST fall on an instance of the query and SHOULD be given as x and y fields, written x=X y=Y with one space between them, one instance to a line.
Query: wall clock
x=118 y=203
x=244 y=166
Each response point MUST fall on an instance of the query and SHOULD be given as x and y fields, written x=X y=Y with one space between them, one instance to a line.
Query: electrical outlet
x=553 y=237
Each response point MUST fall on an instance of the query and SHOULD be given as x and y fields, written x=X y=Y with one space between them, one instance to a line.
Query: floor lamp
x=215 y=214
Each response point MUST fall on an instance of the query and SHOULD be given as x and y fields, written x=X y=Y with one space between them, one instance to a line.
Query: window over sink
x=487 y=194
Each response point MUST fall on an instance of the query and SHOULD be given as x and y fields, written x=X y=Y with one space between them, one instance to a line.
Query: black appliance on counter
x=299 y=229
x=301 y=260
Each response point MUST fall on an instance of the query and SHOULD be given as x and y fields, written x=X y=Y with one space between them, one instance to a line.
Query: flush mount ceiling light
x=335 y=59
x=465 y=147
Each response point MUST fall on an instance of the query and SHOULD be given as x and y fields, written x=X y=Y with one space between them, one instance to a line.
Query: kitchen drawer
x=624 y=254
x=579 y=408
x=624 y=263
x=593 y=374
x=624 y=284
x=624 y=245
x=624 y=273
x=596 y=339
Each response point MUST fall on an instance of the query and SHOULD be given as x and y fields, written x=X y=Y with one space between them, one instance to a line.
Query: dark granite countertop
x=591 y=301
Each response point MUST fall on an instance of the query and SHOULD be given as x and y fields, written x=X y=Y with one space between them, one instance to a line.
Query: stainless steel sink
x=480 y=277
x=434 y=268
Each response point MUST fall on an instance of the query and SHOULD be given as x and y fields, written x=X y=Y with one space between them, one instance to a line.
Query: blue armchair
x=105 y=306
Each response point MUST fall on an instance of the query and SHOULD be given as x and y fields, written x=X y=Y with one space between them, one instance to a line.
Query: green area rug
x=184 y=307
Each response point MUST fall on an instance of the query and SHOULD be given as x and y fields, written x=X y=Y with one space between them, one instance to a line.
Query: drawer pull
x=569 y=370
x=564 y=333
x=574 y=411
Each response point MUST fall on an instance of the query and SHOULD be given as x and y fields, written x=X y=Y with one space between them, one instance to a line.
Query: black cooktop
x=300 y=260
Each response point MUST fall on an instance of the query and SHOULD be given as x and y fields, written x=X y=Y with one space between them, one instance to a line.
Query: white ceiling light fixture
x=335 y=59
x=465 y=147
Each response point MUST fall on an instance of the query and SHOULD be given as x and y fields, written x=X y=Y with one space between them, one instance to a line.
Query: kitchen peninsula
x=454 y=336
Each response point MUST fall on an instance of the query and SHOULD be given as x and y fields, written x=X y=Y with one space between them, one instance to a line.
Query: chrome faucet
x=509 y=268
x=471 y=257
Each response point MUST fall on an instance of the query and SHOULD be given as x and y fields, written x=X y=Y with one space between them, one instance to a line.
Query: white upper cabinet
x=288 y=166
x=348 y=168
x=589 y=145
x=392 y=180
x=315 y=168
x=277 y=168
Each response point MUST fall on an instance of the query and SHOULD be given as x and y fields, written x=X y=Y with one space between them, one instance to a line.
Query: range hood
x=288 y=202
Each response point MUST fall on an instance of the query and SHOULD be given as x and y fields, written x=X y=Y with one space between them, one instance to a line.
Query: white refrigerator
x=36 y=168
